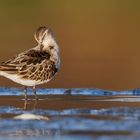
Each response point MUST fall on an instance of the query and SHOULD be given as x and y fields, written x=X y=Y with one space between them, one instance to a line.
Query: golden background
x=99 y=39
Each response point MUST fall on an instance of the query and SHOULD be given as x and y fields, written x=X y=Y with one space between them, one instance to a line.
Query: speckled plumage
x=32 y=65
x=37 y=65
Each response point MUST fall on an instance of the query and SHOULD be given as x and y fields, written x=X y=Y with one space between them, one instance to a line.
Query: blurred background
x=99 y=39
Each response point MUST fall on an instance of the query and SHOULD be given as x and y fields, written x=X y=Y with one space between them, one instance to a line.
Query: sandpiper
x=35 y=66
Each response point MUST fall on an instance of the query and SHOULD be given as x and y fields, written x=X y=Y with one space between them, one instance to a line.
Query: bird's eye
x=51 y=47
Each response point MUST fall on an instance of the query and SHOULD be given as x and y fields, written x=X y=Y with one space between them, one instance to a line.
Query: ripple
x=78 y=91
x=70 y=114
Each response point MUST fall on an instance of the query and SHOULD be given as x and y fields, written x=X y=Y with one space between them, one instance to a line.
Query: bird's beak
x=41 y=47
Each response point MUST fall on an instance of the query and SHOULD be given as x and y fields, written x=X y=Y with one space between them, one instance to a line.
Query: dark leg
x=25 y=93
x=34 y=92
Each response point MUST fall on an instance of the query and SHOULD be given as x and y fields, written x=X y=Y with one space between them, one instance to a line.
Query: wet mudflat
x=70 y=114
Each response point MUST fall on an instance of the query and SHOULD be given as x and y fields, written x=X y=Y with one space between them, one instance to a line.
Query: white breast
x=21 y=81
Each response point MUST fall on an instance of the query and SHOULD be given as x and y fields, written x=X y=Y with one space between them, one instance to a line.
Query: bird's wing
x=23 y=61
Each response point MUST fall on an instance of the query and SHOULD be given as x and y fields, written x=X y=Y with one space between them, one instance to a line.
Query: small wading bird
x=35 y=66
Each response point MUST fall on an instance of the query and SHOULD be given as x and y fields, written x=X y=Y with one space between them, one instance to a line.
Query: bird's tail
x=0 y=67
x=8 y=69
x=0 y=70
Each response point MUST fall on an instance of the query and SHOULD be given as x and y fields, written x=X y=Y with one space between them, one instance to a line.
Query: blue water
x=119 y=120
x=78 y=91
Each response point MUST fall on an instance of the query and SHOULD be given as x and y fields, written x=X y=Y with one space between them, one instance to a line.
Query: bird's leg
x=25 y=93
x=34 y=92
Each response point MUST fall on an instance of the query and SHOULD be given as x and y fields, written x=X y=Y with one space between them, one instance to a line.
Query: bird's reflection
x=29 y=102
x=25 y=105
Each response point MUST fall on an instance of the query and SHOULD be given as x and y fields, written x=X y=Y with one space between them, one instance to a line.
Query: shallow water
x=70 y=114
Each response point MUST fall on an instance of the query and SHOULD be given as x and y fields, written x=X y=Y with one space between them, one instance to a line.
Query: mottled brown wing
x=41 y=72
x=23 y=61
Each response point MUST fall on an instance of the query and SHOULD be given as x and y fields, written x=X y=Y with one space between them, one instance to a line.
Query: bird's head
x=46 y=40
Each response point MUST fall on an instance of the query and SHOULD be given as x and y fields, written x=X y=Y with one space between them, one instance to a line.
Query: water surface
x=70 y=114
